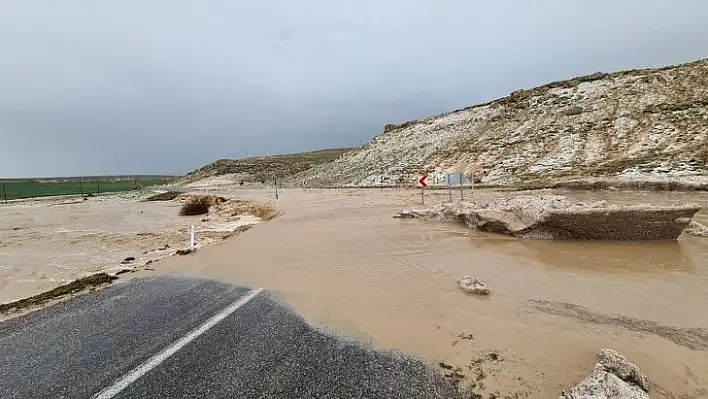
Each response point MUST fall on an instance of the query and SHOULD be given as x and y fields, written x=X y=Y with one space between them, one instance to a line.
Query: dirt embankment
x=89 y=283
x=263 y=170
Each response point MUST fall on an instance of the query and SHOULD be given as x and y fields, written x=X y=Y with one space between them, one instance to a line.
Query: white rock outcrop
x=635 y=125
x=613 y=377
x=696 y=229
x=472 y=285
x=554 y=217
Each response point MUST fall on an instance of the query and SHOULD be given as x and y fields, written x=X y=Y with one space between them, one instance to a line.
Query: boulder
x=554 y=217
x=696 y=229
x=411 y=214
x=618 y=365
x=613 y=377
x=472 y=285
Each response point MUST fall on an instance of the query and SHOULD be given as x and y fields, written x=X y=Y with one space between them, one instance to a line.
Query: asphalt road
x=172 y=338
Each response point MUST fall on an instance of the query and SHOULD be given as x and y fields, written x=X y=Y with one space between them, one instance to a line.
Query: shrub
x=195 y=206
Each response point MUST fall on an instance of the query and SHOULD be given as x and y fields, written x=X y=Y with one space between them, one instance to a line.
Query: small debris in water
x=445 y=366
x=472 y=285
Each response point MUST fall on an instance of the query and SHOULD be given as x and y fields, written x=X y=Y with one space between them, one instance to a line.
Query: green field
x=28 y=188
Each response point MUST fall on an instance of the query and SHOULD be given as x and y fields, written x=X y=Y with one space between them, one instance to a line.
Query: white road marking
x=160 y=357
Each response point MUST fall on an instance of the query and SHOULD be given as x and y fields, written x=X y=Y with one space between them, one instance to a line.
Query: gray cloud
x=120 y=86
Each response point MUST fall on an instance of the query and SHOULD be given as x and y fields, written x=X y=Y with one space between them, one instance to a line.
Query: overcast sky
x=163 y=86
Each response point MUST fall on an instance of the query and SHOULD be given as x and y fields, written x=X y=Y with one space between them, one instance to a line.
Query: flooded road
x=341 y=260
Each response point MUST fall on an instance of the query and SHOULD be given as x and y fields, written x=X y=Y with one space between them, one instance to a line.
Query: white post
x=277 y=201
x=191 y=239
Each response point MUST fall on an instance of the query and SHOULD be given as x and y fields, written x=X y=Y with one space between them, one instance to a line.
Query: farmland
x=28 y=188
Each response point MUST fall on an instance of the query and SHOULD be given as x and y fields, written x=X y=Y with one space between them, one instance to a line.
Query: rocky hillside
x=637 y=124
x=264 y=169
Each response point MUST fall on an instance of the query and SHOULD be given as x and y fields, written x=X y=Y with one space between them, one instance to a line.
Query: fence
x=18 y=189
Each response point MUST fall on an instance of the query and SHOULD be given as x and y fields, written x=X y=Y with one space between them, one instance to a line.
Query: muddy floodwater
x=341 y=260
x=48 y=242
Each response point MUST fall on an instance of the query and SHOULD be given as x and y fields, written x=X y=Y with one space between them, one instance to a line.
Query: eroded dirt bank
x=340 y=259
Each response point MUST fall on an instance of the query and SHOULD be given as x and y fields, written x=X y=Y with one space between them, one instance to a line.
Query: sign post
x=4 y=193
x=277 y=202
x=191 y=239
x=449 y=187
x=423 y=183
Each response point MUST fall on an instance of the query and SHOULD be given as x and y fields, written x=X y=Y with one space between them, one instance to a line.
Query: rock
x=603 y=385
x=404 y=215
x=472 y=285
x=553 y=217
x=184 y=251
x=573 y=111
x=613 y=377
x=411 y=214
x=127 y=260
x=696 y=229
x=618 y=365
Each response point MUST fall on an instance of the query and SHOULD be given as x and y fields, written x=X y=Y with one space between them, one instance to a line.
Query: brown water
x=48 y=242
x=339 y=259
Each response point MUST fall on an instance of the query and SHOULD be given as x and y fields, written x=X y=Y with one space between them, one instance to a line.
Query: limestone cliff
x=637 y=124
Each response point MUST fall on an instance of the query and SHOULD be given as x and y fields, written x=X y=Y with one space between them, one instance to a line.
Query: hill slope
x=637 y=124
x=263 y=169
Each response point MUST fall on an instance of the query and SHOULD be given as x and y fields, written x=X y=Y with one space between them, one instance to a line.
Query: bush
x=195 y=206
